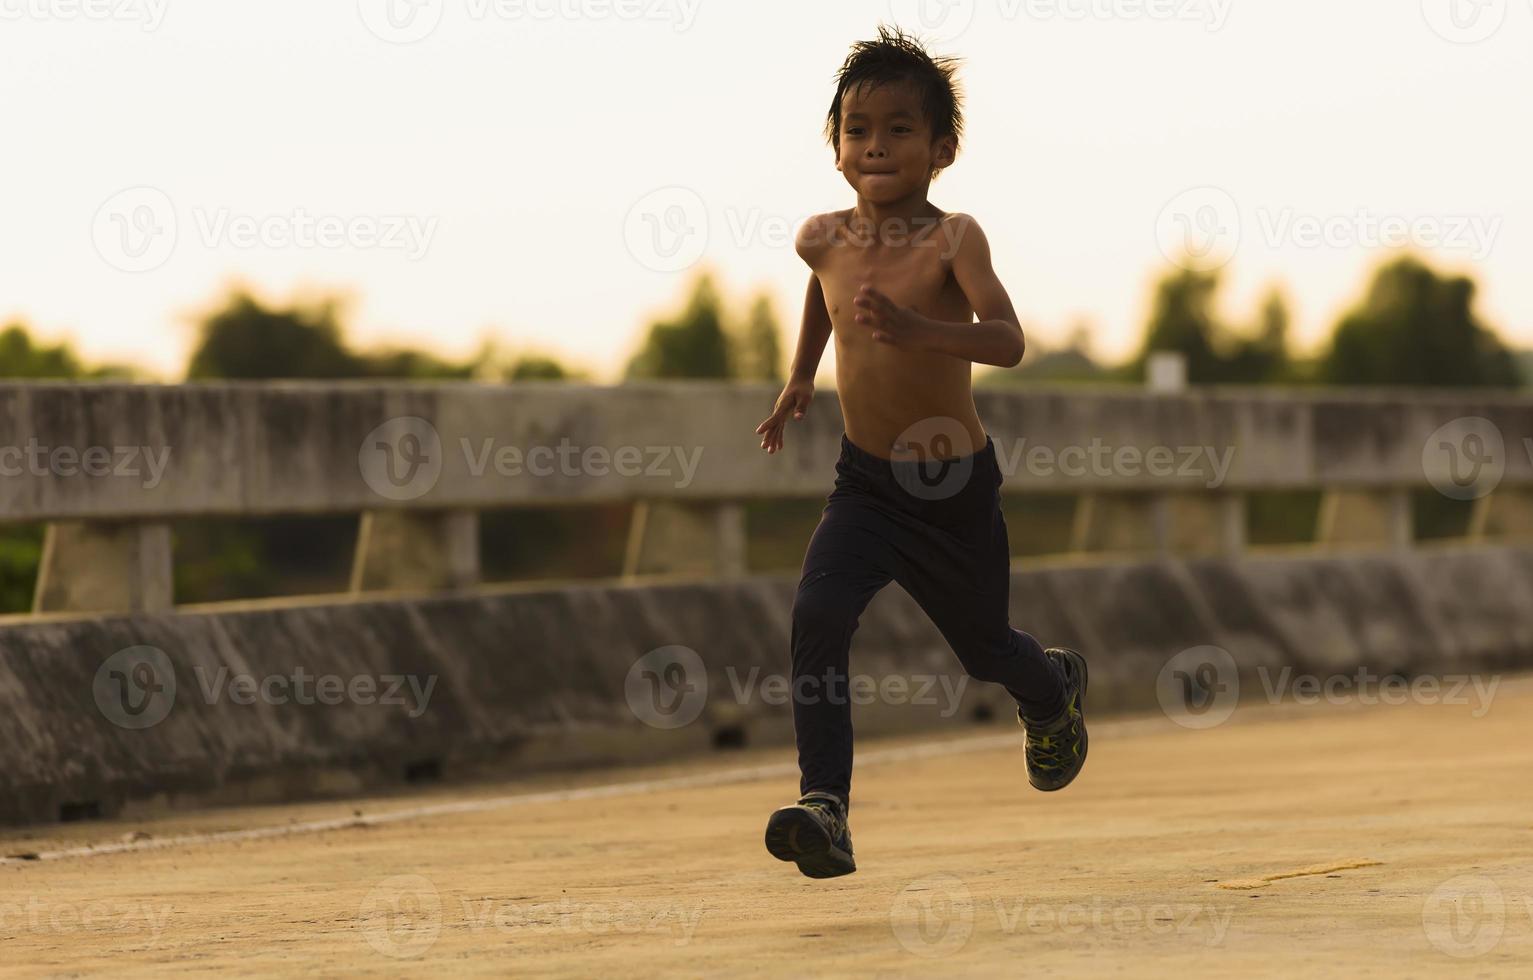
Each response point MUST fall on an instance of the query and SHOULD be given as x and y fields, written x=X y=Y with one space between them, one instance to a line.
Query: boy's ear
x=944 y=152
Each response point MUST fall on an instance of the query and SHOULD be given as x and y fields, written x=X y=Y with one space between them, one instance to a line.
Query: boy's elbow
x=1015 y=350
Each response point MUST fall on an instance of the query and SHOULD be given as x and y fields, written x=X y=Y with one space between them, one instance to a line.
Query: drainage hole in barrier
x=424 y=771
x=729 y=737
x=72 y=812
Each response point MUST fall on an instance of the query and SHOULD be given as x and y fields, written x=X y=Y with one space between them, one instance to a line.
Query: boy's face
x=887 y=152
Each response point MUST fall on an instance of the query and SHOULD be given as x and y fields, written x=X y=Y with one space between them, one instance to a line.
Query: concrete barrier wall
x=528 y=680
x=291 y=447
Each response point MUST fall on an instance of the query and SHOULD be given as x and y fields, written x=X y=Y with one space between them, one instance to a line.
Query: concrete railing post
x=1366 y=517
x=669 y=537
x=105 y=566
x=1506 y=513
x=1232 y=524
x=416 y=550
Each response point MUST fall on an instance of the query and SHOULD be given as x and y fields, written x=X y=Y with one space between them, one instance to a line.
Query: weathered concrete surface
x=105 y=566
x=416 y=550
x=675 y=537
x=1323 y=841
x=536 y=679
x=293 y=447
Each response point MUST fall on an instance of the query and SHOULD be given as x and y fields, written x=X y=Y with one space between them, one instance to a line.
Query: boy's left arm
x=997 y=337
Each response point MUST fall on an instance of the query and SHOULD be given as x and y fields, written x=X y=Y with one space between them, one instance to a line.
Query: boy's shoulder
x=818 y=233
x=959 y=228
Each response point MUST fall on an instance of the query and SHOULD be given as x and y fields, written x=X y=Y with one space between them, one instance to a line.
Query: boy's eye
x=902 y=130
x=854 y=131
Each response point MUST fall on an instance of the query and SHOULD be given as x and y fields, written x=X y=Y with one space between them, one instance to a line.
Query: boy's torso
x=894 y=401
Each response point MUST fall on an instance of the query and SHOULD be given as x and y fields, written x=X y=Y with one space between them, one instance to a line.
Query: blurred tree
x=22 y=357
x=1416 y=327
x=695 y=345
x=758 y=348
x=536 y=367
x=416 y=365
x=1184 y=319
x=1264 y=357
x=246 y=339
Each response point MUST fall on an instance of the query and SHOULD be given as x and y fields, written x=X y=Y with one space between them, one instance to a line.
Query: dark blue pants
x=936 y=529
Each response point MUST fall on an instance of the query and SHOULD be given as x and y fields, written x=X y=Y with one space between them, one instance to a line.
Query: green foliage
x=21 y=357
x=758 y=350
x=705 y=341
x=534 y=367
x=1415 y=327
x=417 y=366
x=693 y=345
x=246 y=339
x=21 y=549
x=257 y=557
x=1184 y=319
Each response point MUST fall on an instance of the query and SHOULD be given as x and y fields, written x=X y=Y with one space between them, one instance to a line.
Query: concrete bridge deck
x=1406 y=830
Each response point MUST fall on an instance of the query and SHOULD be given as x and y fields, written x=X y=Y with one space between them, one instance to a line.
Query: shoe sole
x=1080 y=663
x=793 y=835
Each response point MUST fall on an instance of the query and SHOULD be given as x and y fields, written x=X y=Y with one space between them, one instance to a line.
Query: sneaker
x=813 y=833
x=1056 y=748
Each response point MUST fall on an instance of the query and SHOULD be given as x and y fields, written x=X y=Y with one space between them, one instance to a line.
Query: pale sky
x=496 y=177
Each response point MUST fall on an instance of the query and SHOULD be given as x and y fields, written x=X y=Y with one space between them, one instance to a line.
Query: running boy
x=917 y=496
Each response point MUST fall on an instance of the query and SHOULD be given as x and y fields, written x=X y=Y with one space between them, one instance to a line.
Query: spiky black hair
x=898 y=57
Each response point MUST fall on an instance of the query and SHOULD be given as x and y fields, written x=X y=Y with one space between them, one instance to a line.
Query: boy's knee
x=821 y=608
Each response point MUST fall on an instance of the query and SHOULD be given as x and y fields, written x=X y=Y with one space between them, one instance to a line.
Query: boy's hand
x=793 y=401
x=891 y=323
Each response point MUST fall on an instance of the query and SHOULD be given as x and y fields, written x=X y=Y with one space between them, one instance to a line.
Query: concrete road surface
x=1334 y=839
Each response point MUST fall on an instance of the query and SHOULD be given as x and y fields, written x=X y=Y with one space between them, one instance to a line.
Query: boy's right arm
x=796 y=394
